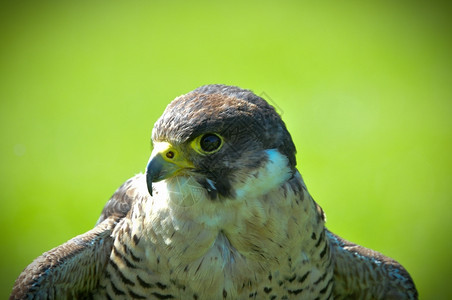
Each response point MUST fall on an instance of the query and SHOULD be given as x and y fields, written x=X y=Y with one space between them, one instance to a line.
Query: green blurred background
x=365 y=88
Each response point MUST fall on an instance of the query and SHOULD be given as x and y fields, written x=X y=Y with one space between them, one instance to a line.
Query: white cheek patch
x=271 y=175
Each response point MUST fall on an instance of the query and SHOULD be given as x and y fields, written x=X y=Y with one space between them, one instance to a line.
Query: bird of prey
x=221 y=213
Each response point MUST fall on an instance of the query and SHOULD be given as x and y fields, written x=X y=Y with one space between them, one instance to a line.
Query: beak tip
x=158 y=169
x=149 y=184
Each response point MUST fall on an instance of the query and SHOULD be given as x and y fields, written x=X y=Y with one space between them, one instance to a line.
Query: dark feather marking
x=144 y=283
x=295 y=185
x=291 y=279
x=130 y=252
x=267 y=289
x=303 y=278
x=323 y=291
x=161 y=285
x=136 y=239
x=197 y=269
x=325 y=248
x=329 y=263
x=322 y=237
x=160 y=296
x=320 y=279
x=118 y=271
x=116 y=290
x=127 y=229
x=123 y=258
x=136 y=296
x=295 y=292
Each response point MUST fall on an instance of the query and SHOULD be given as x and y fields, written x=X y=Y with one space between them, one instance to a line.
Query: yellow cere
x=171 y=154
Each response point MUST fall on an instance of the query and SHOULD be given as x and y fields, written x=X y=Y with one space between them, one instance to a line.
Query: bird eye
x=210 y=142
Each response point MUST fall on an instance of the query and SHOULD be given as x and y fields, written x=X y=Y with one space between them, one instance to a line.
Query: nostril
x=170 y=154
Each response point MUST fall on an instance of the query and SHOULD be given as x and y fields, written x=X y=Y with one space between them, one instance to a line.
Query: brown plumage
x=221 y=213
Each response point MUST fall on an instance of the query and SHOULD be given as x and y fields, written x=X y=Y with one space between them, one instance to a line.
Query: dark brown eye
x=210 y=142
x=170 y=154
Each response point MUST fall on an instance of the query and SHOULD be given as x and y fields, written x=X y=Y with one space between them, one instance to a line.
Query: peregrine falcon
x=221 y=213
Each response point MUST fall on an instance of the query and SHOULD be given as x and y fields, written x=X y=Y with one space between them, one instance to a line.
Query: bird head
x=218 y=135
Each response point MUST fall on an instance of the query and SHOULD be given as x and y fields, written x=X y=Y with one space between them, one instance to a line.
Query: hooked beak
x=166 y=161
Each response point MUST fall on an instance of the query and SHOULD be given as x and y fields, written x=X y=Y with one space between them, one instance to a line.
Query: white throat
x=183 y=225
x=270 y=176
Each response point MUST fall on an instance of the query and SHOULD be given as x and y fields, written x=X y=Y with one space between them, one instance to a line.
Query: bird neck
x=241 y=239
x=255 y=224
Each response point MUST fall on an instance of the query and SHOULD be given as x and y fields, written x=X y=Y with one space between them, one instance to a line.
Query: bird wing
x=73 y=269
x=361 y=273
x=68 y=270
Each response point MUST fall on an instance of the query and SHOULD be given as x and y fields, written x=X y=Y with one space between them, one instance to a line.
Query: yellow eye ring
x=207 y=143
